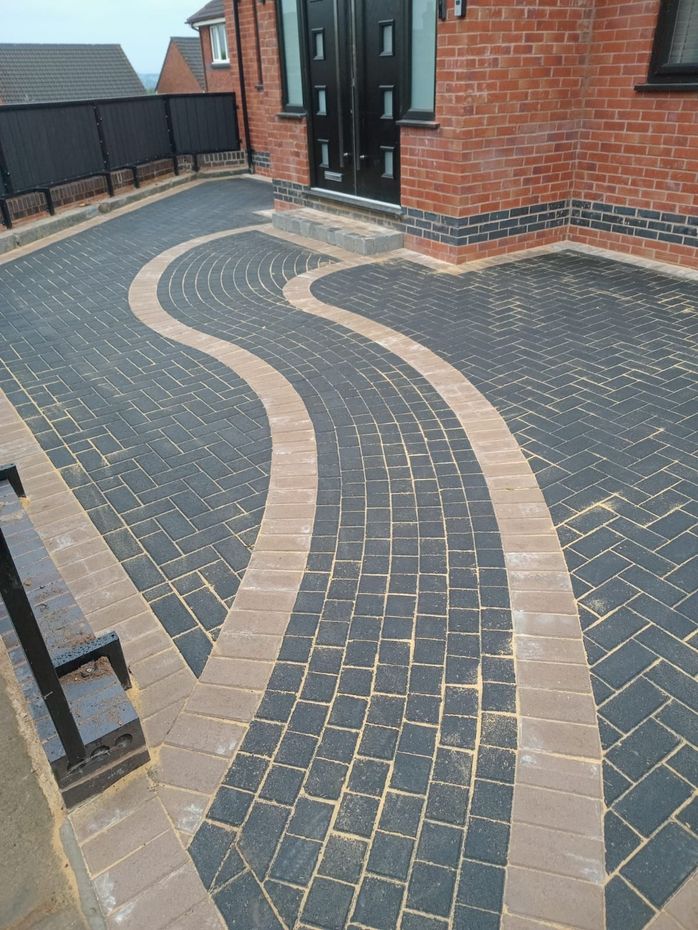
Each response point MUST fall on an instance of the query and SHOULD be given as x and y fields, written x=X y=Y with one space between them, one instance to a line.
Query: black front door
x=355 y=56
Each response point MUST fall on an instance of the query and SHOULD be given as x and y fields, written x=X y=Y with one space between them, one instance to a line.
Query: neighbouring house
x=183 y=69
x=48 y=73
x=210 y=23
x=477 y=126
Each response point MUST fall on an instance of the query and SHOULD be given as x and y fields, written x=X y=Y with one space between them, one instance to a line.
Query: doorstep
x=343 y=232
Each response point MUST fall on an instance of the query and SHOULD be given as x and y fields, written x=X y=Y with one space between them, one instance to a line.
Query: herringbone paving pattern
x=358 y=796
x=593 y=365
x=374 y=787
x=167 y=450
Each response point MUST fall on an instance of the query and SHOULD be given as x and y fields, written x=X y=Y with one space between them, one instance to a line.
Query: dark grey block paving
x=370 y=717
x=592 y=364
x=167 y=450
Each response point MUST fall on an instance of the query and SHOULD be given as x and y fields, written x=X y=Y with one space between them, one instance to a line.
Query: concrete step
x=344 y=232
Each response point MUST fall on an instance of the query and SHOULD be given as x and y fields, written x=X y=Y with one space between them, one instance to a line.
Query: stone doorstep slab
x=345 y=233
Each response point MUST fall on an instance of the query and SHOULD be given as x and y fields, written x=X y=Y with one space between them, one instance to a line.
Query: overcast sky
x=142 y=27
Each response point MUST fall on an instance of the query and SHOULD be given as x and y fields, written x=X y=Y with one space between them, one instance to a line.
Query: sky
x=141 y=27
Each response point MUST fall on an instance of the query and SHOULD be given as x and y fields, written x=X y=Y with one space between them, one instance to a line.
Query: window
x=219 y=44
x=319 y=44
x=423 y=58
x=675 y=52
x=291 y=45
x=387 y=32
x=388 y=161
x=387 y=93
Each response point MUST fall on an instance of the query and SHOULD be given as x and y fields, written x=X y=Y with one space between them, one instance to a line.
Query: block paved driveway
x=374 y=787
x=593 y=365
x=167 y=450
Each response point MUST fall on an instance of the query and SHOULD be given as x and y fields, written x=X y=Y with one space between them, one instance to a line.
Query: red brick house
x=210 y=23
x=183 y=69
x=480 y=127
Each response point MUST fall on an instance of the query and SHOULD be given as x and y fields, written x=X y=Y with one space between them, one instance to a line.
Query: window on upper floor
x=219 y=44
x=675 y=53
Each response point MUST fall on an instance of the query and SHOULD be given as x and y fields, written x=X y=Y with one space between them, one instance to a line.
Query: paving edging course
x=27 y=233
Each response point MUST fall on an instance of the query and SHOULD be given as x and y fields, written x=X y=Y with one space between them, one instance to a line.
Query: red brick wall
x=635 y=149
x=509 y=82
x=176 y=76
x=219 y=78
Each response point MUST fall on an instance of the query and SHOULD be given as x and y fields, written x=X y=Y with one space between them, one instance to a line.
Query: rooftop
x=213 y=10
x=48 y=73
x=190 y=49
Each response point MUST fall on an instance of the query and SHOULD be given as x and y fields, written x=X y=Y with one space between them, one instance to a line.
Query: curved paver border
x=192 y=759
x=555 y=871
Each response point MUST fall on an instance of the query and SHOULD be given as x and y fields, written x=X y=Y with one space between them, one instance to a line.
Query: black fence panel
x=134 y=131
x=43 y=147
x=207 y=123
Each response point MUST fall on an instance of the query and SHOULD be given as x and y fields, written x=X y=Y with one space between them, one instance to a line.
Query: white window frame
x=216 y=31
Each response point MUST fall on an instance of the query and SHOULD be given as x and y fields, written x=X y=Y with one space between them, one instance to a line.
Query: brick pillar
x=497 y=174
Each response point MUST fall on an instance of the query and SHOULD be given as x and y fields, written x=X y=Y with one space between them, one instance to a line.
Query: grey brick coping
x=486 y=227
x=660 y=226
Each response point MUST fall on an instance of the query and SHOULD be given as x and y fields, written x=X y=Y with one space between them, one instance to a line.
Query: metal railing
x=45 y=145
x=47 y=670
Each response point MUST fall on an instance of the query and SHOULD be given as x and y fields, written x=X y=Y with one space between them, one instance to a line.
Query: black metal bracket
x=50 y=206
x=10 y=473
x=171 y=135
x=5 y=213
x=107 y=647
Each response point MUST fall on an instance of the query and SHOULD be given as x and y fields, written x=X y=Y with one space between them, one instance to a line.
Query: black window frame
x=292 y=109
x=663 y=73
x=413 y=115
